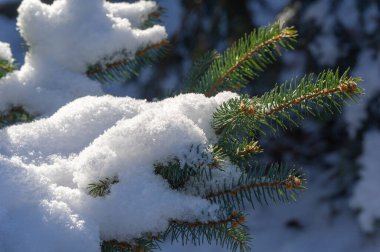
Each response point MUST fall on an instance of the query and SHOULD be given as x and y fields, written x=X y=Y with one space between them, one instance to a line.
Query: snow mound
x=64 y=38
x=47 y=165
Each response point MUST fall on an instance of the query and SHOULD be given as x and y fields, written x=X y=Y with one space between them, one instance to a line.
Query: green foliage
x=126 y=66
x=140 y=244
x=238 y=124
x=243 y=61
x=240 y=120
x=102 y=188
x=258 y=184
x=226 y=232
x=13 y=116
x=198 y=69
x=6 y=67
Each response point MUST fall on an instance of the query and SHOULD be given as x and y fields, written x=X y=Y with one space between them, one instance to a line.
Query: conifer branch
x=127 y=67
x=153 y=18
x=241 y=116
x=198 y=69
x=15 y=115
x=102 y=188
x=137 y=245
x=227 y=231
x=245 y=59
x=276 y=182
x=6 y=67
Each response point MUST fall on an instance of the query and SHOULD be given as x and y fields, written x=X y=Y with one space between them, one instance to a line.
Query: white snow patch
x=368 y=68
x=47 y=165
x=366 y=195
x=64 y=39
x=5 y=52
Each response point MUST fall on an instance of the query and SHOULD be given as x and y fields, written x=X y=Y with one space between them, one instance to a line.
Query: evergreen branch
x=177 y=174
x=275 y=182
x=241 y=116
x=153 y=18
x=174 y=174
x=227 y=231
x=127 y=67
x=247 y=149
x=198 y=69
x=245 y=59
x=13 y=116
x=138 y=245
x=6 y=67
x=102 y=188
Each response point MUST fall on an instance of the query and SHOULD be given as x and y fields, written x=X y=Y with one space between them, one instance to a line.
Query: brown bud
x=293 y=182
x=348 y=87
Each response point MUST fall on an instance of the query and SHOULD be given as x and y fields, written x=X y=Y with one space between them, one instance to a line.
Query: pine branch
x=285 y=103
x=137 y=245
x=153 y=18
x=226 y=232
x=198 y=69
x=6 y=67
x=127 y=67
x=13 y=116
x=245 y=59
x=102 y=188
x=174 y=174
x=276 y=182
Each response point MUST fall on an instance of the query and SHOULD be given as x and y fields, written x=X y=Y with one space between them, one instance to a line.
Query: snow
x=94 y=138
x=45 y=165
x=368 y=68
x=5 y=52
x=64 y=39
x=82 y=136
x=366 y=194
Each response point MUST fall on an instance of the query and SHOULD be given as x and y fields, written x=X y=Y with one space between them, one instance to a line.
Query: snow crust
x=64 y=39
x=366 y=194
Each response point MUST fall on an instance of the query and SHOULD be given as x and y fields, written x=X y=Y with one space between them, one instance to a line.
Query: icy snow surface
x=64 y=39
x=366 y=195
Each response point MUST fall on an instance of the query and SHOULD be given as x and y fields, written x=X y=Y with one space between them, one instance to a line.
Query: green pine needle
x=245 y=59
x=13 y=116
x=102 y=188
x=6 y=67
x=259 y=184
x=127 y=67
x=288 y=102
x=226 y=232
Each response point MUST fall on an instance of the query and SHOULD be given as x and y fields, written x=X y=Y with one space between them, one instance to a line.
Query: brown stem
x=290 y=183
x=348 y=86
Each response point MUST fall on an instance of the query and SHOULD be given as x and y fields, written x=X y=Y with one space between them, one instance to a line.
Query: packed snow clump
x=47 y=165
x=5 y=52
x=64 y=39
x=366 y=194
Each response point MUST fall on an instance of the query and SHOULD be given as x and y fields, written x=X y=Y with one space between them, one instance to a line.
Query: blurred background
x=340 y=153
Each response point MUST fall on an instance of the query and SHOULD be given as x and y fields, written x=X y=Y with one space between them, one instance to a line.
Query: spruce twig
x=245 y=59
x=127 y=66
